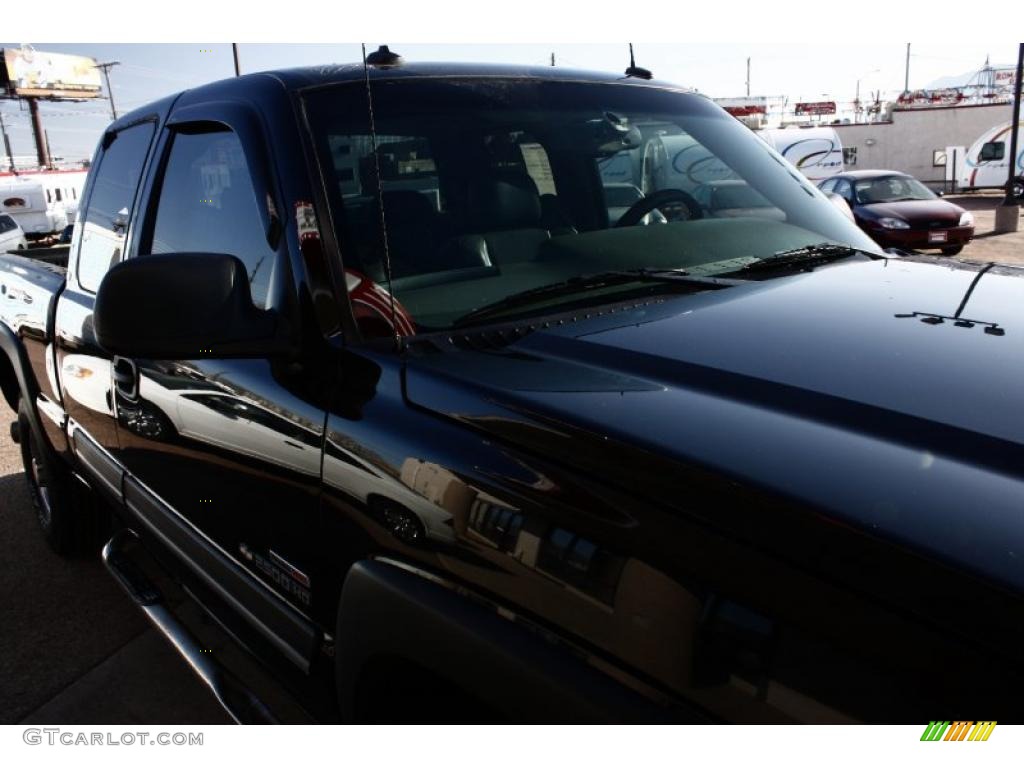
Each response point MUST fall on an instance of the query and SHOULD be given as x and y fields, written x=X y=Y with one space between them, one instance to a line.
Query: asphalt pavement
x=73 y=649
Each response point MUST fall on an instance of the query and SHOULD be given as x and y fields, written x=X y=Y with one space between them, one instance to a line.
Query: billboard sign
x=816 y=108
x=28 y=72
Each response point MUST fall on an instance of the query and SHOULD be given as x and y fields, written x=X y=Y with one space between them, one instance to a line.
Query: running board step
x=238 y=701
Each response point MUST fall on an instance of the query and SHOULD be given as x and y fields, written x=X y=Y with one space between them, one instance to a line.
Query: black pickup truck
x=358 y=356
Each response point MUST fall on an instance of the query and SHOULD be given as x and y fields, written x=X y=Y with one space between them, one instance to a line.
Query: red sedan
x=898 y=211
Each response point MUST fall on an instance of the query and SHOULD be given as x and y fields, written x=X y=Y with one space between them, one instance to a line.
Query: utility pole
x=906 y=79
x=42 y=152
x=1008 y=213
x=234 y=52
x=552 y=58
x=7 y=143
x=748 y=76
x=106 y=77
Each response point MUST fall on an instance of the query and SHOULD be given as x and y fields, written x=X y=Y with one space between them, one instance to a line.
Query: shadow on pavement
x=73 y=645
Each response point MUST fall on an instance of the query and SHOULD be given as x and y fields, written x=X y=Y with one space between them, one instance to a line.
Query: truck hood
x=853 y=390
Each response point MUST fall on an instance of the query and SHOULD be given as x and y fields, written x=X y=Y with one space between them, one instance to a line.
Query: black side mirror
x=184 y=306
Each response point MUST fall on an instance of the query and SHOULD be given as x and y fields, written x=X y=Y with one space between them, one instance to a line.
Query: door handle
x=126 y=378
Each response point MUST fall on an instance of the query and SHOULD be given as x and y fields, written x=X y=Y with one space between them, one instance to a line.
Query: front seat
x=505 y=210
x=414 y=238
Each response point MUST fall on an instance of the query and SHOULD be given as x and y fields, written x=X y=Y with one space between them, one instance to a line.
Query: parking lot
x=988 y=246
x=74 y=650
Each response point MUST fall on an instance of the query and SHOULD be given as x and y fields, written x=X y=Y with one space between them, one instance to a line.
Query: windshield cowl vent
x=495 y=338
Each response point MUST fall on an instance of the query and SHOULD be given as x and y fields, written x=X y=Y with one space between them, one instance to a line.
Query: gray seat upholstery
x=415 y=239
x=505 y=210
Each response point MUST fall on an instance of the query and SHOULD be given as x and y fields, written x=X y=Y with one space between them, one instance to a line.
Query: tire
x=51 y=491
x=953 y=250
x=1018 y=189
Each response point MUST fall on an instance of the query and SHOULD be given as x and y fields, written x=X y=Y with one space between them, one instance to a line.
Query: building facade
x=915 y=140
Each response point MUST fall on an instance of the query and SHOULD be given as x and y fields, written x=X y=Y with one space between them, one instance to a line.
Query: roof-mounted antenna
x=382 y=57
x=634 y=71
x=383 y=50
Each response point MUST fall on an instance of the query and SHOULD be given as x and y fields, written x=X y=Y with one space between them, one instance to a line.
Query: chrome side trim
x=285 y=628
x=130 y=490
x=52 y=411
x=198 y=533
x=239 y=702
x=91 y=454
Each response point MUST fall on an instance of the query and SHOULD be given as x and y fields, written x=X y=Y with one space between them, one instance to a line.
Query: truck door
x=229 y=446
x=86 y=371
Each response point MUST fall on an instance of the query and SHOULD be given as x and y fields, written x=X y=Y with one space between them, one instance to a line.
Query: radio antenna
x=634 y=71
x=380 y=199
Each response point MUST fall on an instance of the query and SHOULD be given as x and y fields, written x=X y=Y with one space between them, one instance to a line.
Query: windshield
x=622 y=195
x=738 y=195
x=891 y=189
x=491 y=187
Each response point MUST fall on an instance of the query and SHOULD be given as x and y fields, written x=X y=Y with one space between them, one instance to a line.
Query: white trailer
x=816 y=152
x=988 y=159
x=42 y=202
x=680 y=162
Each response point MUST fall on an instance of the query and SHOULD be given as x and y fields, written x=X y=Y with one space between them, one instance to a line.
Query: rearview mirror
x=184 y=306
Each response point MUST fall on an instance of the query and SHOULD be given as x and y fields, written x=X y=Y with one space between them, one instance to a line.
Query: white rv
x=42 y=202
x=816 y=152
x=680 y=162
x=987 y=161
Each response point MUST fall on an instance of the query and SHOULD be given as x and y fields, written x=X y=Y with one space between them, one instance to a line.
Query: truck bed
x=29 y=282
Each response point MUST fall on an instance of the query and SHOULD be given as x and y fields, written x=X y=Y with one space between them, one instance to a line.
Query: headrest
x=408 y=206
x=508 y=201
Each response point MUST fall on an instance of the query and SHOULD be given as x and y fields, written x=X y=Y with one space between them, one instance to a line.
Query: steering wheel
x=681 y=204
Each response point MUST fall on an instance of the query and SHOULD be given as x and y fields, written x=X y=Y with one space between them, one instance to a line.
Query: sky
x=802 y=72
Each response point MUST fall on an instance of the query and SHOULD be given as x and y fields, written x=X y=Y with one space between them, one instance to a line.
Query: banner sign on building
x=816 y=108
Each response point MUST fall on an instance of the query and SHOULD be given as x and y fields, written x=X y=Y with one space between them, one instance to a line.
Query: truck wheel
x=49 y=485
x=953 y=250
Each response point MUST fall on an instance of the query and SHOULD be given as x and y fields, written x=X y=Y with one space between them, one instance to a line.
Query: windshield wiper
x=805 y=258
x=591 y=282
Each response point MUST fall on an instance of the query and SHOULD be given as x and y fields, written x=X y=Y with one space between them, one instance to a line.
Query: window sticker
x=305 y=218
x=538 y=167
